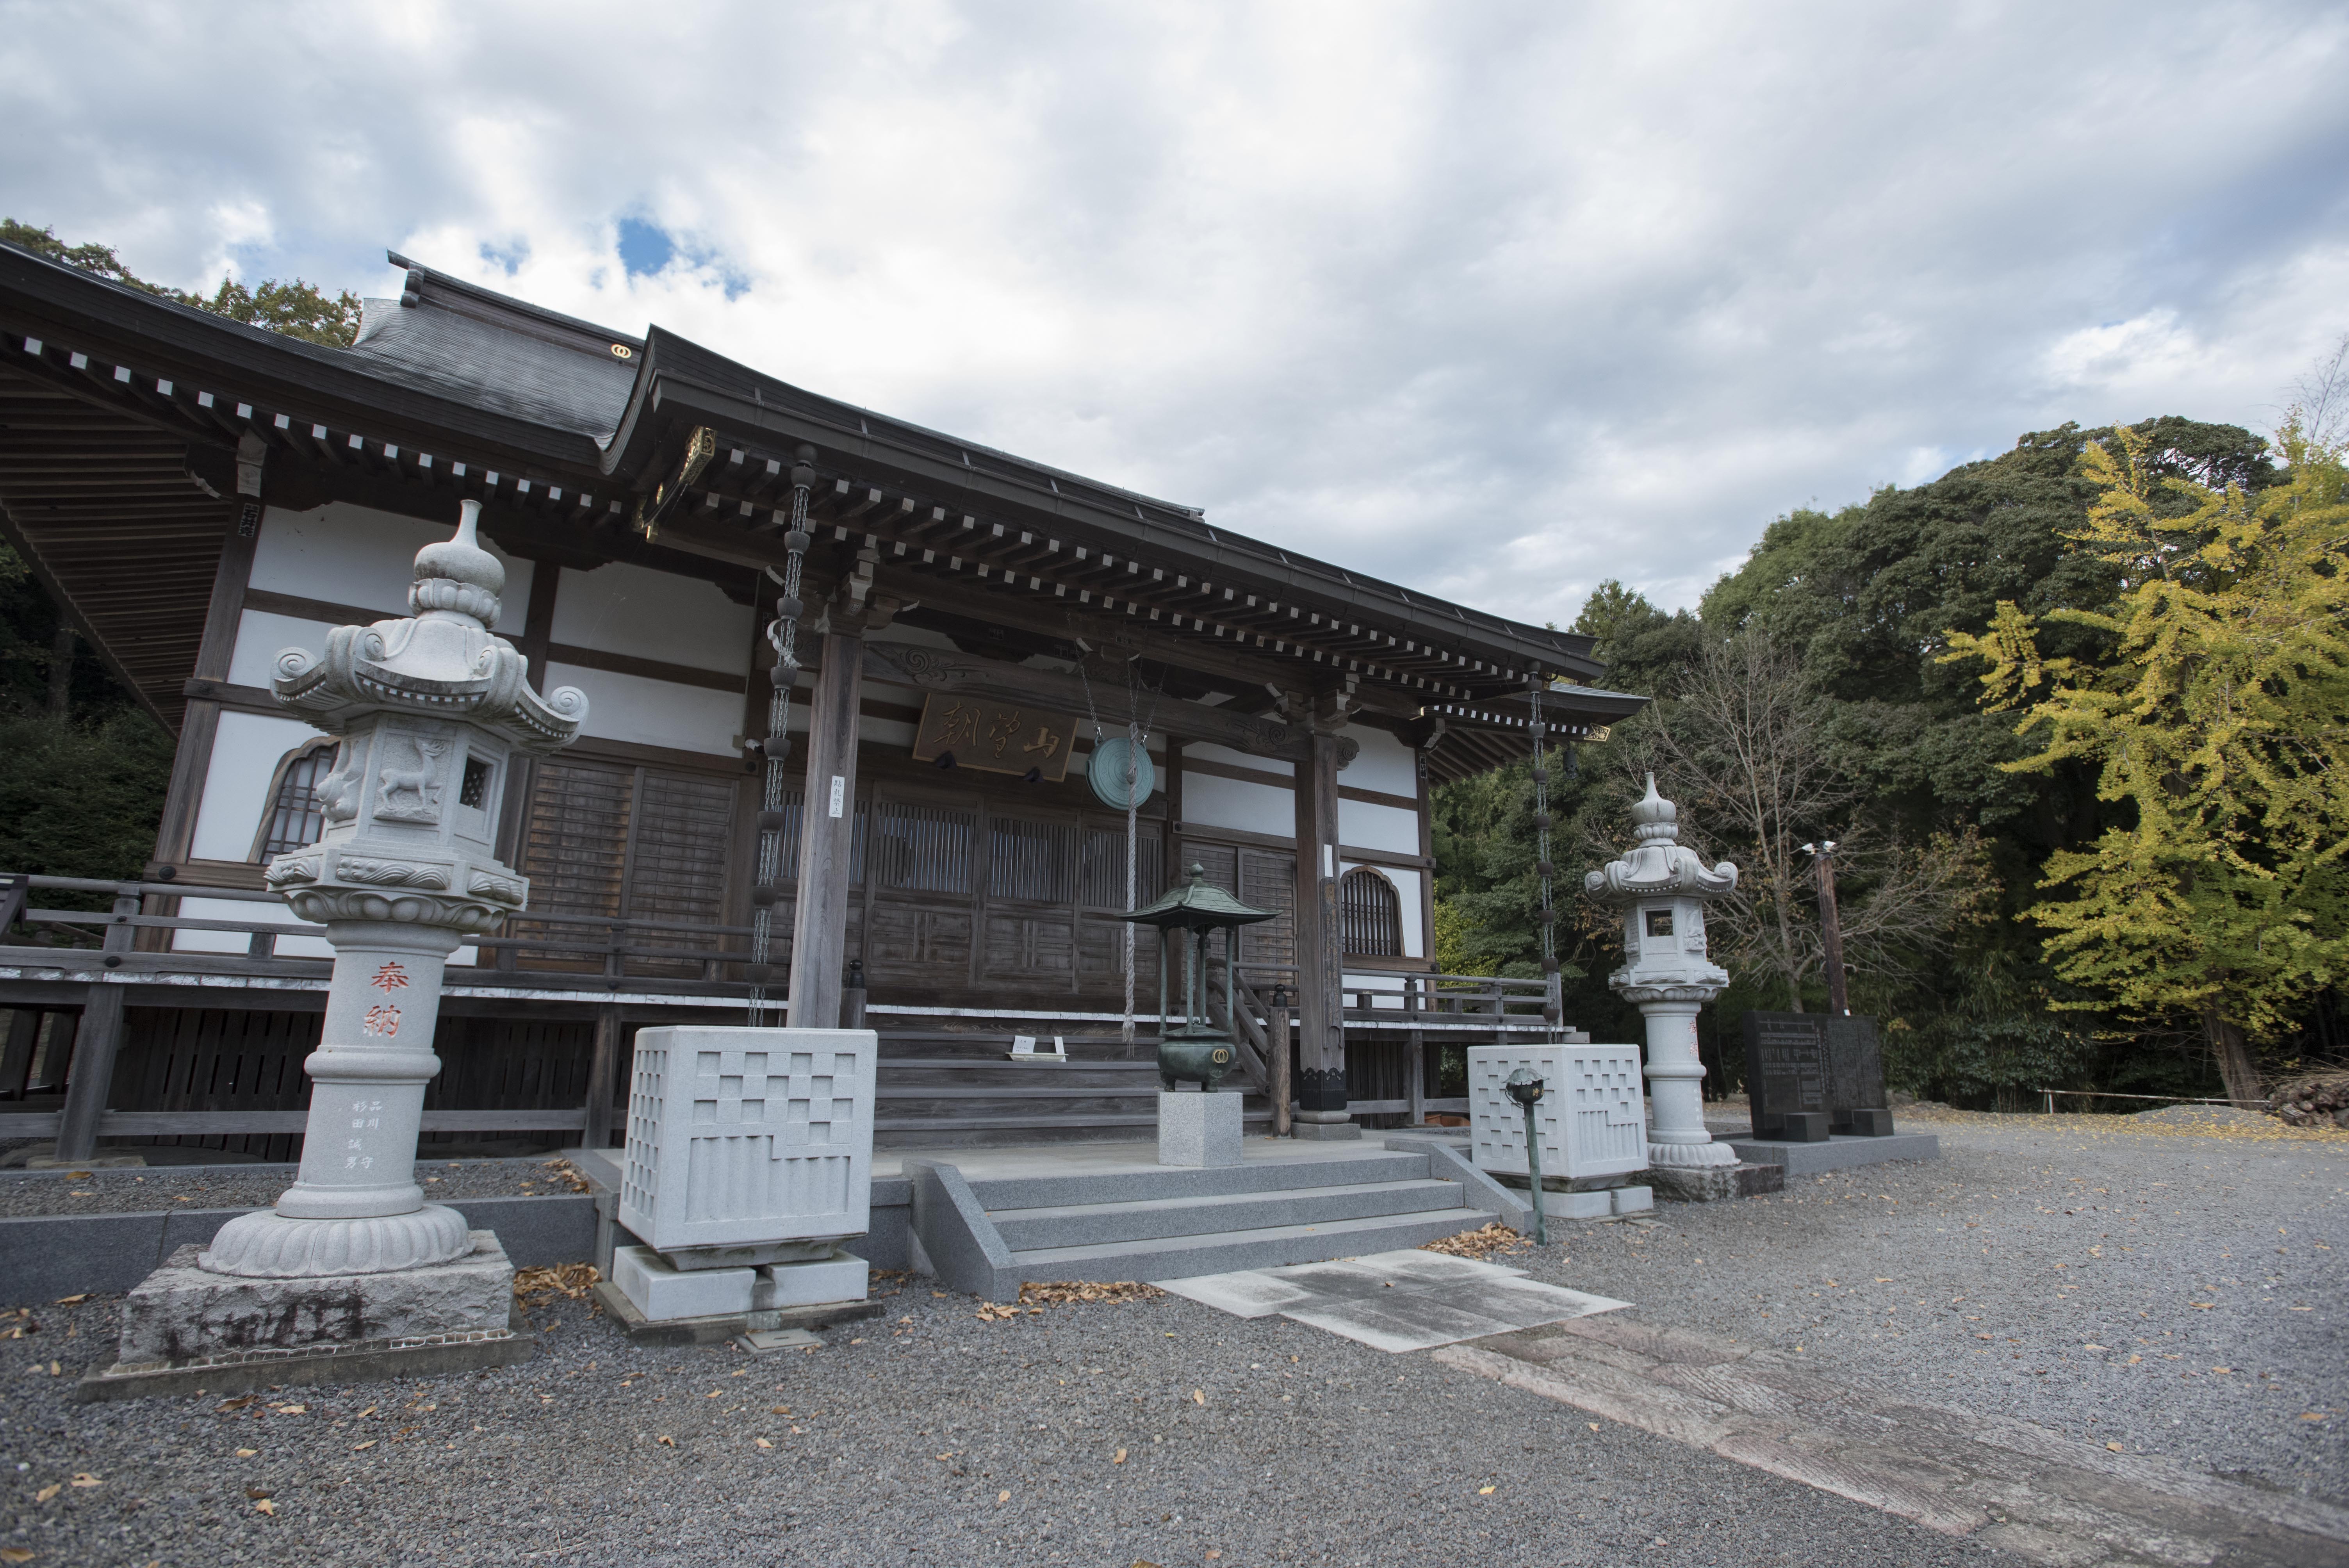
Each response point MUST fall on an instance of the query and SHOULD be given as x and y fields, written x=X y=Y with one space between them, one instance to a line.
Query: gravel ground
x=1166 y=1432
x=250 y=1186
x=2115 y=1278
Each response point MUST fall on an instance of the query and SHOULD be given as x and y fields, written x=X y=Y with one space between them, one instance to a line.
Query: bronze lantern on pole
x=1197 y=1051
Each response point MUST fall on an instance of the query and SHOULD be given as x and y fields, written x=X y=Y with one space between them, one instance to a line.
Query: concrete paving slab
x=1248 y=1292
x=1398 y=1321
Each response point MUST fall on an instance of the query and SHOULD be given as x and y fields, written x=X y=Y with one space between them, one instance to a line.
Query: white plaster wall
x=1374 y=827
x=1384 y=764
x=244 y=756
x=1207 y=752
x=624 y=609
x=237 y=941
x=651 y=712
x=261 y=635
x=1209 y=801
x=355 y=555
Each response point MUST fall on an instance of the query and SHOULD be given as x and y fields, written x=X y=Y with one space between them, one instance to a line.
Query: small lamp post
x=1526 y=1090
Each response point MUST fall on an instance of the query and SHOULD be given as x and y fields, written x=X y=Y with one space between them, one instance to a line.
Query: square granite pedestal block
x=1196 y=1131
x=1716 y=1184
x=661 y=1293
x=185 y=1329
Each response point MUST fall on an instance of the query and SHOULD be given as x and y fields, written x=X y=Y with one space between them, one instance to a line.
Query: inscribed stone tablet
x=1855 y=1071
x=1786 y=1067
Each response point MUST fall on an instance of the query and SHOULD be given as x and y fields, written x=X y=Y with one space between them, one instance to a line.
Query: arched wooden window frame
x=1370 y=913
x=319 y=754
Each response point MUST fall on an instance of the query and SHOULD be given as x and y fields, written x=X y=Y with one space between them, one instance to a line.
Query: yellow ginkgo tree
x=2218 y=711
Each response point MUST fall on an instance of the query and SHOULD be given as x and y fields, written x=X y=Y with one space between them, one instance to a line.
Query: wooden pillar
x=17 y=1049
x=1320 y=957
x=827 y=831
x=603 y=1079
x=90 y=1076
x=91 y=1073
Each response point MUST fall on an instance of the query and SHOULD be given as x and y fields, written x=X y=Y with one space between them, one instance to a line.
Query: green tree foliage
x=2216 y=711
x=296 y=309
x=1866 y=600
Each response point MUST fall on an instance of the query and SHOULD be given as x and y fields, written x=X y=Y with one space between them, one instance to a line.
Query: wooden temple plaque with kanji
x=996 y=737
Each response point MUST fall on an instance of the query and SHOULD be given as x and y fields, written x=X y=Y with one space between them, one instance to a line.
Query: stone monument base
x=1196 y=1131
x=186 y=1329
x=660 y=1291
x=1589 y=1198
x=718 y=1327
x=1838 y=1152
x=1715 y=1183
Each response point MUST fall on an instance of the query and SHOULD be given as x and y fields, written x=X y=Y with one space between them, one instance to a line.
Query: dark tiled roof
x=471 y=361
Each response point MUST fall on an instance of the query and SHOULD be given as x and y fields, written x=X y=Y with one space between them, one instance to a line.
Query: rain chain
x=1551 y=1010
x=783 y=635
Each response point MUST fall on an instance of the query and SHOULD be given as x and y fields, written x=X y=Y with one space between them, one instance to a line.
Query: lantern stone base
x=1197 y=1130
x=1715 y=1183
x=1338 y=1126
x=185 y=1327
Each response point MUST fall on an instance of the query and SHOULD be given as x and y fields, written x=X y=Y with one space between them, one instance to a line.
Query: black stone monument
x=1810 y=1074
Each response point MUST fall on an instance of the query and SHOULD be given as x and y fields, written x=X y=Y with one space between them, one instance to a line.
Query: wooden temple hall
x=199 y=495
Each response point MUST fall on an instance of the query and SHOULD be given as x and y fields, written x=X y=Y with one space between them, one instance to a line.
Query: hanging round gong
x=1106 y=773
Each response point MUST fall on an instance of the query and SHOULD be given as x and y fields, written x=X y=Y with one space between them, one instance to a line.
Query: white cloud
x=1501 y=300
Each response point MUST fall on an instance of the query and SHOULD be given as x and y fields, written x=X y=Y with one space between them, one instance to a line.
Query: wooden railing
x=605 y=944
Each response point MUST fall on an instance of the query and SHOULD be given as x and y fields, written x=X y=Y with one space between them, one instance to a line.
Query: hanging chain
x=783 y=636
x=1551 y=1010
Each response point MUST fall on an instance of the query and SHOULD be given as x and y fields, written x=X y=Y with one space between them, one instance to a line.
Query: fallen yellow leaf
x=1592 y=1425
x=56 y=1371
x=49 y=1491
x=1001 y=1497
x=84 y=1479
x=265 y=1506
x=15 y=1555
x=1484 y=1491
x=362 y=1448
x=73 y=1300
x=2222 y=1369
x=1120 y=1458
x=1198 y=1397
x=2115 y=1446
x=667 y=1442
x=363 y=1414
x=246 y=1454
x=762 y=1442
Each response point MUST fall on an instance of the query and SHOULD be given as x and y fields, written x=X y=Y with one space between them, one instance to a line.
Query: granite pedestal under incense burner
x=1199 y=1051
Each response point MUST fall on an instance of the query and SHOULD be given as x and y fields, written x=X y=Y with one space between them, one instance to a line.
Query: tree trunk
x=61 y=660
x=2235 y=1064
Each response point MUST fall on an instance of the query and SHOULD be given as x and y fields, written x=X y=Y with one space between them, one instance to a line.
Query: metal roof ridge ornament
x=443 y=660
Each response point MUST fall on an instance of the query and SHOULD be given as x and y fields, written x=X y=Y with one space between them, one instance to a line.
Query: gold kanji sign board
x=998 y=737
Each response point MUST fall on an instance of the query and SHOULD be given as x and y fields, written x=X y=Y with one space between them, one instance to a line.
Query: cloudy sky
x=1493 y=299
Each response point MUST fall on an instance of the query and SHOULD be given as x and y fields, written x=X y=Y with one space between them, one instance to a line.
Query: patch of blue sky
x=646 y=249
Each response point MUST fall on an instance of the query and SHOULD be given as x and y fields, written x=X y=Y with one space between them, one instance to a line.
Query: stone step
x=1154 y=1219
x=1148 y=1183
x=1268 y=1246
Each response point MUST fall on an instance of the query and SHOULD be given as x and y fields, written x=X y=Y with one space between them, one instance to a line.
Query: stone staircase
x=989 y=1235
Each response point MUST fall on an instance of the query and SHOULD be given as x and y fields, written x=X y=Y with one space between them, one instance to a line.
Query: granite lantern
x=1662 y=888
x=429 y=711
